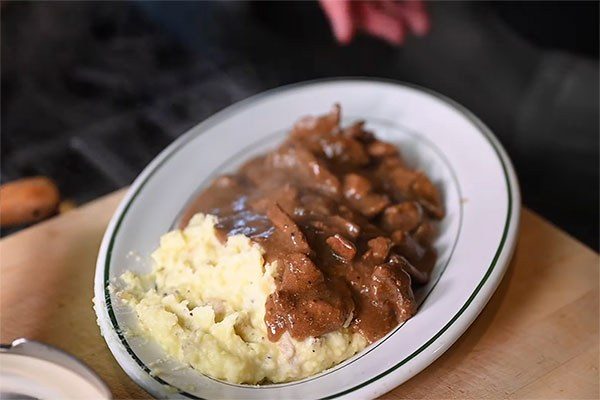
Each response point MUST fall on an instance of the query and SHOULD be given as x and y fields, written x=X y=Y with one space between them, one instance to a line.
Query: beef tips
x=359 y=193
x=428 y=196
x=405 y=184
x=425 y=233
x=285 y=197
x=295 y=239
x=379 y=249
x=408 y=246
x=317 y=126
x=357 y=131
x=416 y=274
x=347 y=223
x=390 y=286
x=343 y=226
x=322 y=137
x=303 y=167
x=308 y=312
x=405 y=217
x=299 y=273
x=317 y=205
x=343 y=150
x=379 y=149
x=342 y=247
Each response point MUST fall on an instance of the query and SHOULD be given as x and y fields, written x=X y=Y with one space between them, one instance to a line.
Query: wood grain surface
x=536 y=338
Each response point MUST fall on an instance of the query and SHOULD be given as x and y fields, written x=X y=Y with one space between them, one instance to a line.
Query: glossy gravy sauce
x=349 y=225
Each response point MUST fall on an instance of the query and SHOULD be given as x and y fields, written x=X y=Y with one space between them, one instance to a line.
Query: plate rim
x=503 y=252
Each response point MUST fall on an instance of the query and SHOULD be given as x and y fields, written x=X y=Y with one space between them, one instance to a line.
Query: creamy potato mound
x=204 y=303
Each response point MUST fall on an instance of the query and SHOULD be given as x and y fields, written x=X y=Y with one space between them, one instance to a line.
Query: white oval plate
x=435 y=134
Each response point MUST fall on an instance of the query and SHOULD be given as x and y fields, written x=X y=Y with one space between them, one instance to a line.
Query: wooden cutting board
x=536 y=338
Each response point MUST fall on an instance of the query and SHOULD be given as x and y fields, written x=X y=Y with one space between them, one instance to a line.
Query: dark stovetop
x=91 y=92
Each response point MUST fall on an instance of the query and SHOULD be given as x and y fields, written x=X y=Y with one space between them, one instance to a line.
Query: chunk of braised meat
x=284 y=224
x=299 y=273
x=226 y=181
x=351 y=228
x=357 y=131
x=379 y=149
x=421 y=256
x=405 y=184
x=304 y=168
x=285 y=196
x=343 y=225
x=322 y=136
x=354 y=131
x=428 y=196
x=425 y=233
x=372 y=204
x=342 y=247
x=346 y=212
x=356 y=186
x=398 y=182
x=416 y=274
x=408 y=246
x=322 y=314
x=311 y=312
x=378 y=251
x=317 y=125
x=390 y=286
x=304 y=303
x=367 y=228
x=358 y=192
x=342 y=150
x=389 y=163
x=316 y=204
x=277 y=319
x=405 y=217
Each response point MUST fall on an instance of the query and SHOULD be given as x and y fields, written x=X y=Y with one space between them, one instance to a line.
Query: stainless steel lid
x=30 y=369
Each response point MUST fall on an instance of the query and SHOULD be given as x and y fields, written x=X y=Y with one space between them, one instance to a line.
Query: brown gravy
x=348 y=223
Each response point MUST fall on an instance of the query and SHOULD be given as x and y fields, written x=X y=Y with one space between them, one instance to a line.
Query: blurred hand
x=386 y=19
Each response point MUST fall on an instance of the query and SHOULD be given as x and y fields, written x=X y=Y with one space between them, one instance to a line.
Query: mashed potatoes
x=204 y=303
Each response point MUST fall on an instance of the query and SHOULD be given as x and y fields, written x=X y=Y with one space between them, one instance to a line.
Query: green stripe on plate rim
x=217 y=117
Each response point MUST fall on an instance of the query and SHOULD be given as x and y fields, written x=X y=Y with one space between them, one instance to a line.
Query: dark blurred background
x=91 y=92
